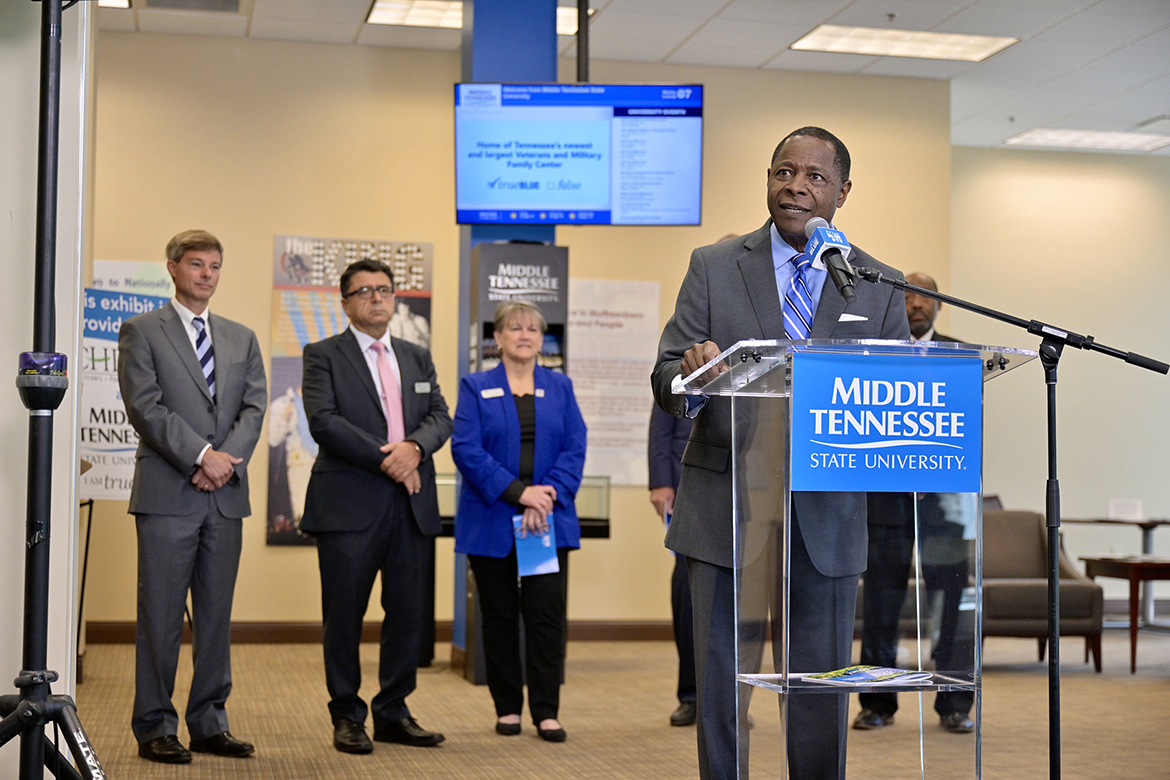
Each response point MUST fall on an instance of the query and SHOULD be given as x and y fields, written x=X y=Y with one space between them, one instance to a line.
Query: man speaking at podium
x=762 y=286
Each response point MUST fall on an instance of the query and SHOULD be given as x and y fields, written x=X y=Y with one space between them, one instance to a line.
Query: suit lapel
x=172 y=326
x=828 y=312
x=759 y=275
x=348 y=344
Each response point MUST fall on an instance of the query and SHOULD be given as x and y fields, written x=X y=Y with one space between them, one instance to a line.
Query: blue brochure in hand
x=535 y=554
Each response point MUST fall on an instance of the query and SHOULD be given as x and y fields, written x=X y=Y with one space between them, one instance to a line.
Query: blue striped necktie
x=798 y=308
x=205 y=353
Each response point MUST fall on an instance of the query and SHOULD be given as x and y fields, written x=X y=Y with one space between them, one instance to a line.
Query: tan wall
x=1078 y=241
x=251 y=139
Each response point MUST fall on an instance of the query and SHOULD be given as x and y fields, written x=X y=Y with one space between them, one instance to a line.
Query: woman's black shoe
x=552 y=735
x=507 y=729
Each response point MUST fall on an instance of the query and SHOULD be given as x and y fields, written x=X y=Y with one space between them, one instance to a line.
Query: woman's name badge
x=422 y=387
x=492 y=392
x=540 y=392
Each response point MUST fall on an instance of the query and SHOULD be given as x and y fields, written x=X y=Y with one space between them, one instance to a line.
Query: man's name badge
x=422 y=387
x=492 y=392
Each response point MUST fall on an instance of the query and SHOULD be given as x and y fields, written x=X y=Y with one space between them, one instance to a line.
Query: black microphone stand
x=1053 y=342
x=41 y=380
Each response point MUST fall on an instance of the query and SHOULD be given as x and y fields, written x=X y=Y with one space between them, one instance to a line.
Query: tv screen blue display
x=578 y=154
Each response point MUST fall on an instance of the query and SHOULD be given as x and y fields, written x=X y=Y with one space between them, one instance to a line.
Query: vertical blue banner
x=886 y=423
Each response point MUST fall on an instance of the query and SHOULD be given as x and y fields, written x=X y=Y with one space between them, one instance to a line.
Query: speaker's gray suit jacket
x=170 y=406
x=729 y=294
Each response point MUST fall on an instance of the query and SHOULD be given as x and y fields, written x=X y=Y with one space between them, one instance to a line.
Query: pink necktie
x=391 y=395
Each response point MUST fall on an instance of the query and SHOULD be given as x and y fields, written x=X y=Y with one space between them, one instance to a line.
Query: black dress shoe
x=507 y=729
x=406 y=732
x=223 y=744
x=869 y=719
x=350 y=737
x=165 y=750
x=551 y=735
x=957 y=723
x=684 y=715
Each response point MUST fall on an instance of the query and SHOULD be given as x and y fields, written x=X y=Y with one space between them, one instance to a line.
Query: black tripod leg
x=10 y=727
x=58 y=765
x=78 y=742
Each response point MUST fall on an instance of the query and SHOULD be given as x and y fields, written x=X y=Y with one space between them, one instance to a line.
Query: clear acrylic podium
x=925 y=603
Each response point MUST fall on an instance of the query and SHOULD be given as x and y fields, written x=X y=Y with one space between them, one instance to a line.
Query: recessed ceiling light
x=902 y=43
x=114 y=3
x=1090 y=139
x=445 y=13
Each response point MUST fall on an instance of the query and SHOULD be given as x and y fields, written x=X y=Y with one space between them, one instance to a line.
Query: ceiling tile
x=116 y=19
x=1157 y=91
x=318 y=32
x=1115 y=72
x=911 y=67
x=192 y=23
x=763 y=35
x=1096 y=31
x=809 y=13
x=1063 y=6
x=642 y=28
x=692 y=53
x=1024 y=65
x=1118 y=113
x=983 y=130
x=700 y=8
x=1012 y=22
x=909 y=14
x=968 y=98
x=1159 y=39
x=824 y=62
x=1146 y=9
x=409 y=37
x=331 y=12
x=629 y=49
x=1040 y=108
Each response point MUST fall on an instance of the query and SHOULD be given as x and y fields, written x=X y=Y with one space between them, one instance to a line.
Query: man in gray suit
x=195 y=392
x=736 y=290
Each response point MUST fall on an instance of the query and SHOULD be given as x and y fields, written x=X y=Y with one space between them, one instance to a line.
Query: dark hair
x=192 y=241
x=841 y=160
x=365 y=264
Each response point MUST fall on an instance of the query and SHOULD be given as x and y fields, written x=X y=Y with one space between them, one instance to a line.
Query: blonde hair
x=509 y=310
x=188 y=240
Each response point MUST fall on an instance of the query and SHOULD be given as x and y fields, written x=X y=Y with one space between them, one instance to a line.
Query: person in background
x=378 y=417
x=890 y=518
x=519 y=442
x=195 y=391
x=667 y=441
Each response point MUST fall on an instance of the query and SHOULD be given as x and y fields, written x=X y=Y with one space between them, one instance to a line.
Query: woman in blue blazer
x=519 y=441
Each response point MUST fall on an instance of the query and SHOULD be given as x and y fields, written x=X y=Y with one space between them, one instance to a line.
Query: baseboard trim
x=121 y=632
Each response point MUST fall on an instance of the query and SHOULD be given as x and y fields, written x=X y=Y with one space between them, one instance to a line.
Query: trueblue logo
x=822 y=239
x=886 y=423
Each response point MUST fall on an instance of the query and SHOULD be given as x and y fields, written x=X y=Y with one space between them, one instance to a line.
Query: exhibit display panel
x=825 y=432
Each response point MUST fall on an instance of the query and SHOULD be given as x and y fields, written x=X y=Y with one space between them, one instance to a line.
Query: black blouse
x=526 y=410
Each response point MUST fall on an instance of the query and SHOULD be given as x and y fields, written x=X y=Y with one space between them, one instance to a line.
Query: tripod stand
x=41 y=380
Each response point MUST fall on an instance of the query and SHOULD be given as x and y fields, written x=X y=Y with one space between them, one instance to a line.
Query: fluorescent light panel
x=445 y=13
x=1090 y=139
x=114 y=3
x=902 y=43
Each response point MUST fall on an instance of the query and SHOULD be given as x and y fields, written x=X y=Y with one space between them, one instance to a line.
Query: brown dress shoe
x=165 y=750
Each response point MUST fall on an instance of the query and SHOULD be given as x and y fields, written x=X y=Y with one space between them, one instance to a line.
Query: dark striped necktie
x=798 y=308
x=205 y=353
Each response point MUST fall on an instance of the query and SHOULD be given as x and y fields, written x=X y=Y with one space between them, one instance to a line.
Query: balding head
x=921 y=310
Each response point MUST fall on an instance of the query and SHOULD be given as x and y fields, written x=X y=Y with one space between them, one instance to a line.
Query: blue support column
x=503 y=41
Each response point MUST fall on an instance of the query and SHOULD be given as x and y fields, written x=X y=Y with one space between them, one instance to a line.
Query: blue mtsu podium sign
x=839 y=430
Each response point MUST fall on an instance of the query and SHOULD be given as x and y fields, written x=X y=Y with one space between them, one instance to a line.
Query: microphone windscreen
x=811 y=226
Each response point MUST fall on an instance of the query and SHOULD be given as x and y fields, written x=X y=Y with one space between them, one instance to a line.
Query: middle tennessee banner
x=886 y=423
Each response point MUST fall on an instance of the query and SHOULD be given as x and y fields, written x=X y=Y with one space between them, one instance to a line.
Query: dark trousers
x=886 y=577
x=349 y=563
x=200 y=553
x=821 y=639
x=540 y=599
x=684 y=636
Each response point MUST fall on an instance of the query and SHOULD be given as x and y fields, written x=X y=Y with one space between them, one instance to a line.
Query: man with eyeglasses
x=377 y=415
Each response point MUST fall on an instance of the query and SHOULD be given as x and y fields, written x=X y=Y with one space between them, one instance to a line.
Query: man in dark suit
x=377 y=415
x=943 y=553
x=737 y=290
x=194 y=388
x=667 y=441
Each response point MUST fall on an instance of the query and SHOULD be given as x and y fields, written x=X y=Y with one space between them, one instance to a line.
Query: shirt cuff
x=695 y=404
x=202 y=452
x=513 y=492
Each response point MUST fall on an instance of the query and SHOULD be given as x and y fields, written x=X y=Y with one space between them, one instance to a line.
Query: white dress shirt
x=365 y=341
x=188 y=317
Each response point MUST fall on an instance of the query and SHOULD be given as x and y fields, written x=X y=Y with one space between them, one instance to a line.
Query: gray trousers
x=821 y=637
x=200 y=553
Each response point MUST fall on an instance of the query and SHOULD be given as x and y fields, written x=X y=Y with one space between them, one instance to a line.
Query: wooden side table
x=1136 y=569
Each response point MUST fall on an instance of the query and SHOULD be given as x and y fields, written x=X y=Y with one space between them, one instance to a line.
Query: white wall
x=19 y=95
x=1081 y=241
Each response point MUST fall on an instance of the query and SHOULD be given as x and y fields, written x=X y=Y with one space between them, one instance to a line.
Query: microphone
x=830 y=246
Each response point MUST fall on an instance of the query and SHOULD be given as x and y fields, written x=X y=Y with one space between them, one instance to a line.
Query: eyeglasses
x=366 y=293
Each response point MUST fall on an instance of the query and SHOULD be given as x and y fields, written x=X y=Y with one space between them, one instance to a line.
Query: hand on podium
x=698 y=356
